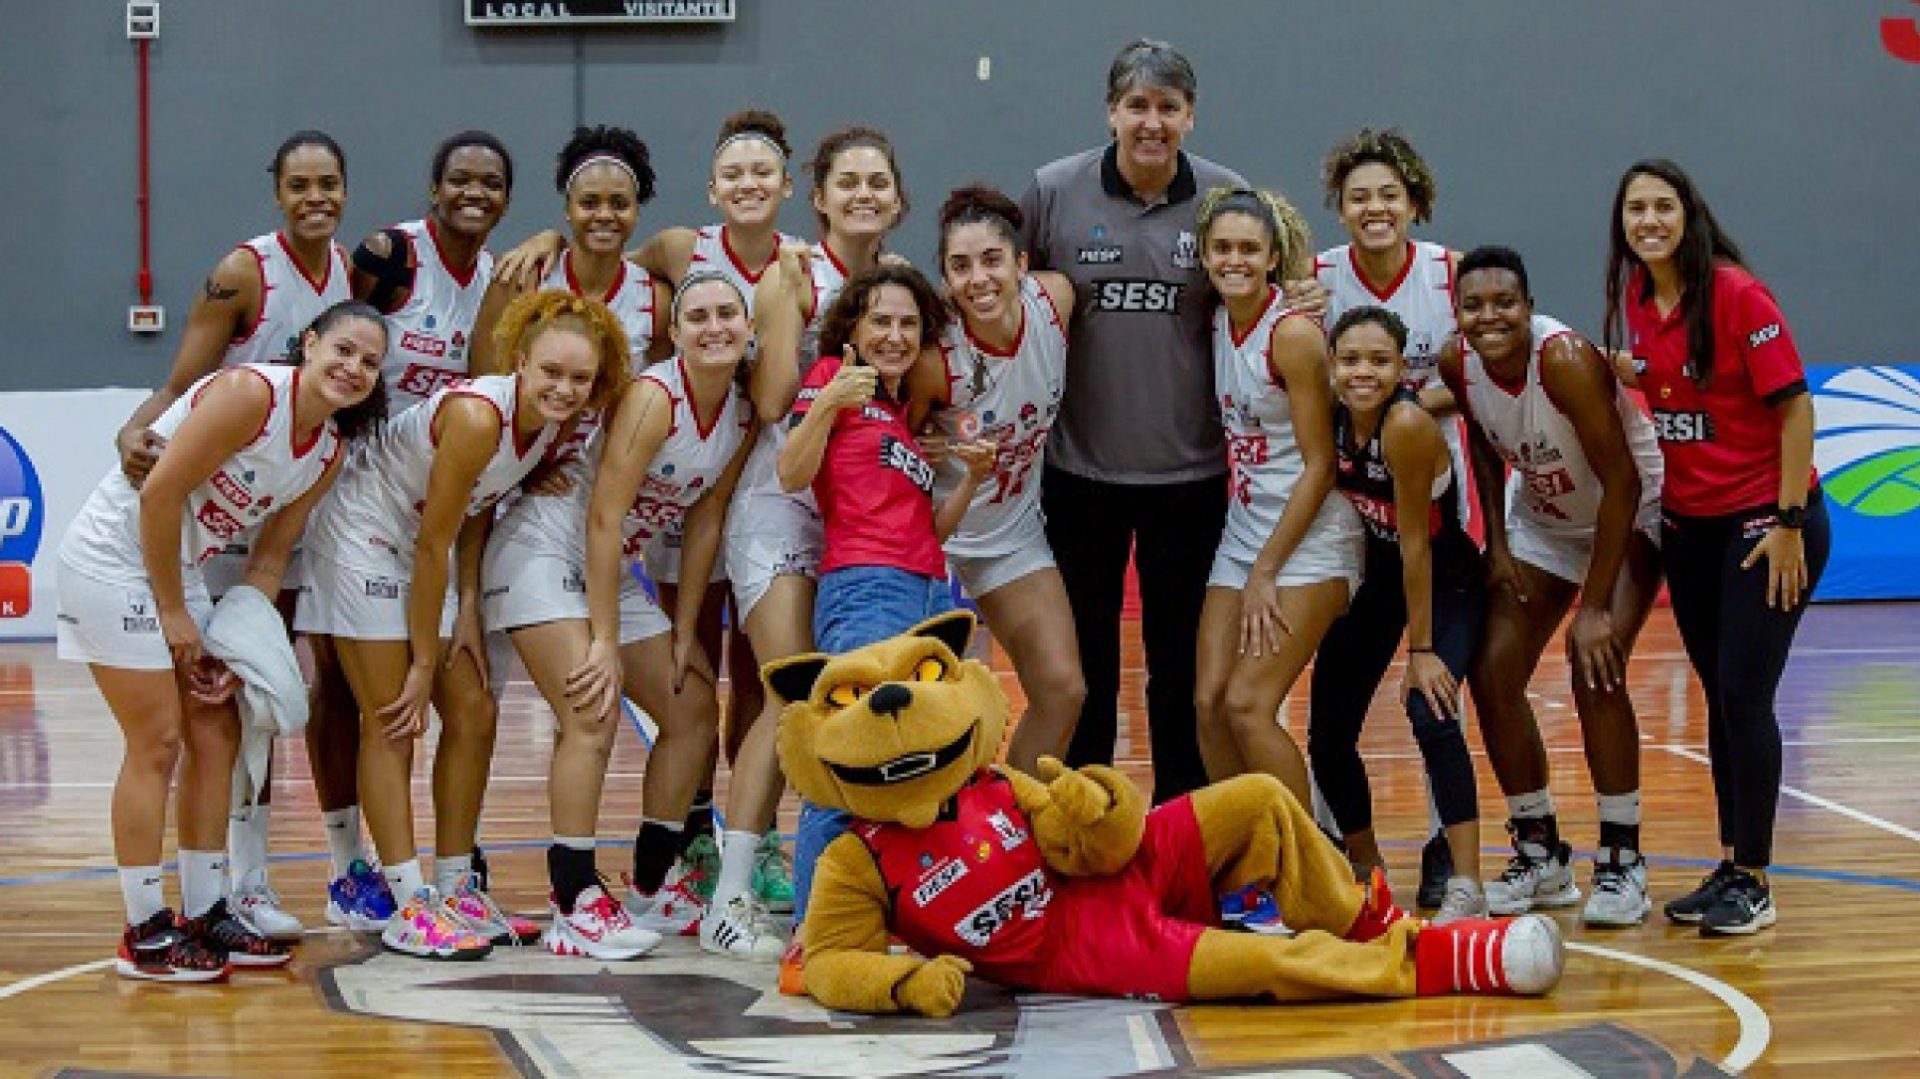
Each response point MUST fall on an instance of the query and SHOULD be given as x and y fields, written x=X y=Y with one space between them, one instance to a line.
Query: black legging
x=1354 y=657
x=1738 y=646
x=1171 y=531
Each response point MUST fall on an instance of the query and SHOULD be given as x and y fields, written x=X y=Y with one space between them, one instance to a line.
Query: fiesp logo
x=21 y=511
x=1867 y=444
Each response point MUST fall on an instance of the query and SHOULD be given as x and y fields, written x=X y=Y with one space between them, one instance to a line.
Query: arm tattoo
x=216 y=291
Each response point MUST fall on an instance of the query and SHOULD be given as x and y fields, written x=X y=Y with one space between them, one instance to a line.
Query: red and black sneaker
x=159 y=950
x=219 y=931
x=1491 y=956
x=1377 y=911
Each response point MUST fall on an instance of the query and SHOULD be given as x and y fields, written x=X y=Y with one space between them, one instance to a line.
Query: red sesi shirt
x=1722 y=447
x=874 y=487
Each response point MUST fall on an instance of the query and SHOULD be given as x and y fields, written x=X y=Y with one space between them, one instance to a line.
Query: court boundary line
x=1756 y=1029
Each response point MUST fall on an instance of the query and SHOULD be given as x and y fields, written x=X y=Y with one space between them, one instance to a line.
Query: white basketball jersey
x=713 y=252
x=688 y=463
x=630 y=298
x=376 y=504
x=1012 y=398
x=761 y=474
x=1552 y=481
x=289 y=299
x=1263 y=456
x=1422 y=296
x=427 y=339
x=269 y=472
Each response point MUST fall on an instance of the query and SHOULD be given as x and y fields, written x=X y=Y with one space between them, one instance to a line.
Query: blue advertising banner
x=1867 y=448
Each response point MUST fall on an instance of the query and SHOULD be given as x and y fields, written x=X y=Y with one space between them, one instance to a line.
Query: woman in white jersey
x=407 y=630
x=245 y=455
x=427 y=276
x=748 y=183
x=1380 y=187
x=1289 y=556
x=669 y=453
x=998 y=376
x=1579 y=515
x=774 y=538
x=251 y=309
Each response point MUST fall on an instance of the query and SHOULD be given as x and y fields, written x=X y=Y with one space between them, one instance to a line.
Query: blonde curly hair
x=535 y=313
x=1286 y=229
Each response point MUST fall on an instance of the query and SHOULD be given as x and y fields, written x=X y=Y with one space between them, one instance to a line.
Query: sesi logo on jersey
x=22 y=509
x=1025 y=898
x=1682 y=426
x=1129 y=294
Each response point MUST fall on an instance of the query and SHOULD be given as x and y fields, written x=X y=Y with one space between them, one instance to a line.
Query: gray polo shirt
x=1139 y=405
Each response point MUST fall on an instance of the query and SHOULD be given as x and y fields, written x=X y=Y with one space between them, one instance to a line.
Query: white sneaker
x=598 y=928
x=1619 y=896
x=424 y=928
x=673 y=911
x=1463 y=900
x=743 y=929
x=257 y=906
x=1535 y=879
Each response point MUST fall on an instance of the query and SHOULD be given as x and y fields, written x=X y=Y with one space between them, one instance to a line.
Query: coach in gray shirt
x=1137 y=461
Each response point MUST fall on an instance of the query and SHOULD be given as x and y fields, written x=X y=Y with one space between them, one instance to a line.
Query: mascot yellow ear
x=953 y=629
x=791 y=679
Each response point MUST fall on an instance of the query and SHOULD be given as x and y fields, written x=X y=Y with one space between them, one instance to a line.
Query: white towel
x=247 y=634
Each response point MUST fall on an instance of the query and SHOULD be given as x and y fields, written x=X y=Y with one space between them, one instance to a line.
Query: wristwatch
x=1791 y=516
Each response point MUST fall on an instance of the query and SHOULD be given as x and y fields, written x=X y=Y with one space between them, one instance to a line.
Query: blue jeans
x=857 y=606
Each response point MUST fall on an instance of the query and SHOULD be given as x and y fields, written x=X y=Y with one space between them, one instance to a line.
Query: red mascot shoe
x=1493 y=956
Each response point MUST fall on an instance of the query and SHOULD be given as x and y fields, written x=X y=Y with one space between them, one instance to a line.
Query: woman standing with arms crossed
x=244 y=455
x=1001 y=371
x=1735 y=423
x=1423 y=576
x=774 y=536
x=408 y=631
x=1289 y=558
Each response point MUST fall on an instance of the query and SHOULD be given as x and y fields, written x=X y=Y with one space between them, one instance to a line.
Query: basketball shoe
x=773 y=875
x=743 y=929
x=424 y=928
x=1745 y=907
x=1689 y=909
x=218 y=930
x=258 y=907
x=157 y=950
x=471 y=904
x=1619 y=897
x=676 y=909
x=1536 y=878
x=361 y=901
x=598 y=928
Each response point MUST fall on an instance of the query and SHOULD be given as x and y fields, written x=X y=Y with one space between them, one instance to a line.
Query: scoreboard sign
x=511 y=13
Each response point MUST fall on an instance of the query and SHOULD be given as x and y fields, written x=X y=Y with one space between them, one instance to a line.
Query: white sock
x=1620 y=808
x=448 y=869
x=404 y=879
x=1532 y=805
x=203 y=880
x=343 y=839
x=574 y=842
x=140 y=890
x=738 y=851
x=247 y=842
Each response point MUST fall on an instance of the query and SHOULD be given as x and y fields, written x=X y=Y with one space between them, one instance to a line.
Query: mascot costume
x=1066 y=883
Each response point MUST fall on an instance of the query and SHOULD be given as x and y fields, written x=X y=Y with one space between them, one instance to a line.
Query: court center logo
x=22 y=512
x=682 y=1014
x=1867 y=445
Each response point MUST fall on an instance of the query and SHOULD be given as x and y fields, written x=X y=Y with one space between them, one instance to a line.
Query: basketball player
x=408 y=632
x=428 y=277
x=252 y=309
x=1001 y=373
x=1380 y=187
x=1422 y=575
x=242 y=455
x=1289 y=557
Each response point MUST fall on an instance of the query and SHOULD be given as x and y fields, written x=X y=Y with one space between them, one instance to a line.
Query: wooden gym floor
x=1834 y=990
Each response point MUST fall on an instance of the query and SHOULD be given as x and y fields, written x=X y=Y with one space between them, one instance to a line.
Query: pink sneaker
x=423 y=928
x=470 y=904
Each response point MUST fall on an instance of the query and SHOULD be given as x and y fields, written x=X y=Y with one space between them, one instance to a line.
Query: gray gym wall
x=1803 y=130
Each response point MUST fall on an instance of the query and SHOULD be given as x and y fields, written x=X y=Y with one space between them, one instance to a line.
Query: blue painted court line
x=1798 y=872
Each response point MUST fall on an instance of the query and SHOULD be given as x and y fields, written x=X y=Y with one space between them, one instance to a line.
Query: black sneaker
x=1745 y=907
x=1689 y=909
x=220 y=932
x=1436 y=865
x=159 y=950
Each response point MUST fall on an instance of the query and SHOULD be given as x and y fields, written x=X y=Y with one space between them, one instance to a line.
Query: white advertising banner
x=54 y=447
